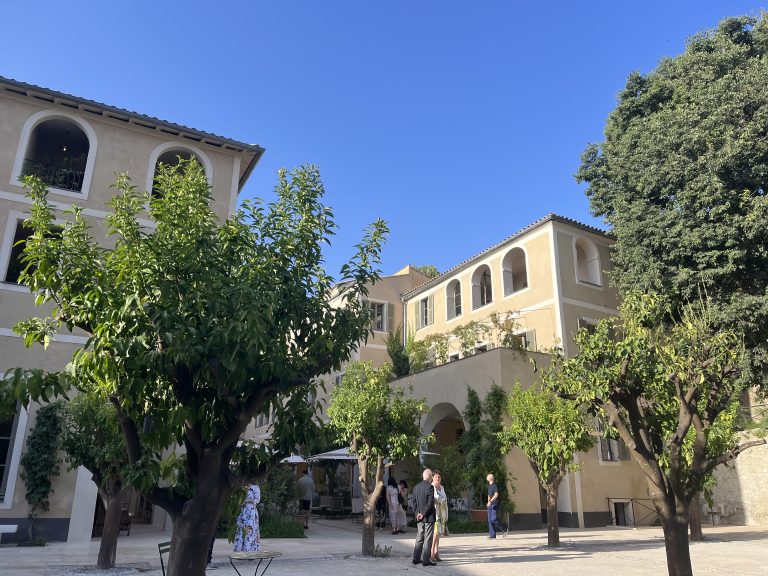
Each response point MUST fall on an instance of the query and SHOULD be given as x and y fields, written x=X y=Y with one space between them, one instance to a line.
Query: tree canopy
x=196 y=326
x=671 y=393
x=377 y=421
x=682 y=175
x=550 y=431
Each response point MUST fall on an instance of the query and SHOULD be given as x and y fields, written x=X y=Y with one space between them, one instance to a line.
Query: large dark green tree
x=682 y=176
x=196 y=325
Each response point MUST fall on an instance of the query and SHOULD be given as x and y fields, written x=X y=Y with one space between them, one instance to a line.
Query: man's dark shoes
x=415 y=561
x=428 y=563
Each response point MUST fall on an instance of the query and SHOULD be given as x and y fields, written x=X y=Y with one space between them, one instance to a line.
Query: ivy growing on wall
x=41 y=462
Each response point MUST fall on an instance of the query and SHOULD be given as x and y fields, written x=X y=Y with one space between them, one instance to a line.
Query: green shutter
x=430 y=309
x=390 y=317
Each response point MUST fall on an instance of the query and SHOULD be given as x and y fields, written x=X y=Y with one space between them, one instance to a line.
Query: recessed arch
x=169 y=152
x=60 y=148
x=453 y=299
x=514 y=271
x=482 y=287
x=587 y=259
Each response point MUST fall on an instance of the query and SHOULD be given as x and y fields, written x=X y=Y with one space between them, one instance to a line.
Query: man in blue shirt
x=492 y=507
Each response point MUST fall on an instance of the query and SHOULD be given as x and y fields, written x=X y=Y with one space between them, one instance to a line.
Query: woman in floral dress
x=441 y=515
x=248 y=537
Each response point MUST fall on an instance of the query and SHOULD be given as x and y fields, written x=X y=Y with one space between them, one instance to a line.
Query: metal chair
x=163 y=548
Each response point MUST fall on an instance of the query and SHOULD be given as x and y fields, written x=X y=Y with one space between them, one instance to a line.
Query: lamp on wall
x=65 y=146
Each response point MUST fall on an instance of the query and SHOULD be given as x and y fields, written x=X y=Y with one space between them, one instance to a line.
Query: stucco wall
x=740 y=492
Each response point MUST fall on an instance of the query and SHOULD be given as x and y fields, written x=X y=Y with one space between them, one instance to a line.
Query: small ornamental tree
x=378 y=421
x=196 y=326
x=550 y=431
x=671 y=393
x=91 y=437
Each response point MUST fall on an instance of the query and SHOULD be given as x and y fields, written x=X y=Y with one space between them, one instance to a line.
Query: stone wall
x=740 y=495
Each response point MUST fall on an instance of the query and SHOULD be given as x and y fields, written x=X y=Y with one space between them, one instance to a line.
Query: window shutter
x=530 y=340
x=623 y=451
x=605 y=449
x=430 y=309
x=418 y=315
x=390 y=326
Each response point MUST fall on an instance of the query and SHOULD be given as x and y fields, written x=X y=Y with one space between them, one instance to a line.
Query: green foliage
x=429 y=270
x=482 y=446
x=374 y=418
x=459 y=523
x=401 y=365
x=196 y=328
x=279 y=491
x=274 y=526
x=382 y=551
x=452 y=465
x=549 y=430
x=41 y=463
x=671 y=392
x=681 y=179
x=91 y=437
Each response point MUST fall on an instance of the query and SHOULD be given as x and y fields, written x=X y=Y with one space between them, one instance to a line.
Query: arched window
x=515 y=271
x=482 y=293
x=169 y=153
x=57 y=152
x=453 y=299
x=173 y=157
x=587 y=263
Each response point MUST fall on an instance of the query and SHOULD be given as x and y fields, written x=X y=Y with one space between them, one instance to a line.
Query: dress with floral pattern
x=441 y=512
x=248 y=536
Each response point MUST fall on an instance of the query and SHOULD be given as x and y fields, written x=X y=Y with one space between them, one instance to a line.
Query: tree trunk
x=553 y=526
x=108 y=546
x=694 y=518
x=674 y=520
x=369 y=518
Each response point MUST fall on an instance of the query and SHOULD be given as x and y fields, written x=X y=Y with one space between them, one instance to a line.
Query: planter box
x=479 y=515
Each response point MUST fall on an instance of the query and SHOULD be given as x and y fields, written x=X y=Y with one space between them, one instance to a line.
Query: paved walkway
x=333 y=548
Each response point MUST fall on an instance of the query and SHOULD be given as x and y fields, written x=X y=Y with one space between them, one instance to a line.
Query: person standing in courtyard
x=493 y=507
x=424 y=510
x=248 y=535
x=441 y=515
x=306 y=491
x=396 y=512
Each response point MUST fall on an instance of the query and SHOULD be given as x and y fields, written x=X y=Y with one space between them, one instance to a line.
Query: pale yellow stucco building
x=77 y=146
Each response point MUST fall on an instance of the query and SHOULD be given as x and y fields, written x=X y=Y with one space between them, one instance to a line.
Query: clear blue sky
x=457 y=122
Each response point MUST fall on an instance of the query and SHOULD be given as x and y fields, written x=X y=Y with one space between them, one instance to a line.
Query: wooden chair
x=163 y=548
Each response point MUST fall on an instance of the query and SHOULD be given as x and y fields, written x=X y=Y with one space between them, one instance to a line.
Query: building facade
x=77 y=146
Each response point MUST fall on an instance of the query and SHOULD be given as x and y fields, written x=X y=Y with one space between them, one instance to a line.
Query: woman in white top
x=396 y=512
x=441 y=515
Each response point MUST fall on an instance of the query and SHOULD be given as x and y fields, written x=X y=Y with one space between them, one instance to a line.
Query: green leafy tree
x=550 y=431
x=41 y=463
x=91 y=437
x=377 y=421
x=482 y=446
x=429 y=270
x=196 y=326
x=682 y=178
x=452 y=466
x=672 y=395
x=401 y=365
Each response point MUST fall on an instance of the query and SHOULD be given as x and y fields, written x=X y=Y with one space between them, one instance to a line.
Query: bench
x=8 y=529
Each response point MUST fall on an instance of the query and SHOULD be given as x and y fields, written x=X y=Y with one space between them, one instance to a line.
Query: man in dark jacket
x=424 y=510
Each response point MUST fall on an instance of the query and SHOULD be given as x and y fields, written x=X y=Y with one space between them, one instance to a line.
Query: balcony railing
x=62 y=174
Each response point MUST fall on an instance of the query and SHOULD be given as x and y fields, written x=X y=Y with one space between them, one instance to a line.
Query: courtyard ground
x=333 y=548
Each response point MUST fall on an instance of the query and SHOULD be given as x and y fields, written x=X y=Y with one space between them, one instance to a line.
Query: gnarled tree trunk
x=694 y=518
x=112 y=500
x=673 y=514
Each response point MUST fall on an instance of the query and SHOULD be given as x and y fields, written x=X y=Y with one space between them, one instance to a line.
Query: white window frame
x=26 y=132
x=507 y=273
x=425 y=311
x=15 y=448
x=477 y=276
x=523 y=333
x=593 y=264
x=182 y=147
x=450 y=300
x=7 y=247
x=613 y=448
x=385 y=320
